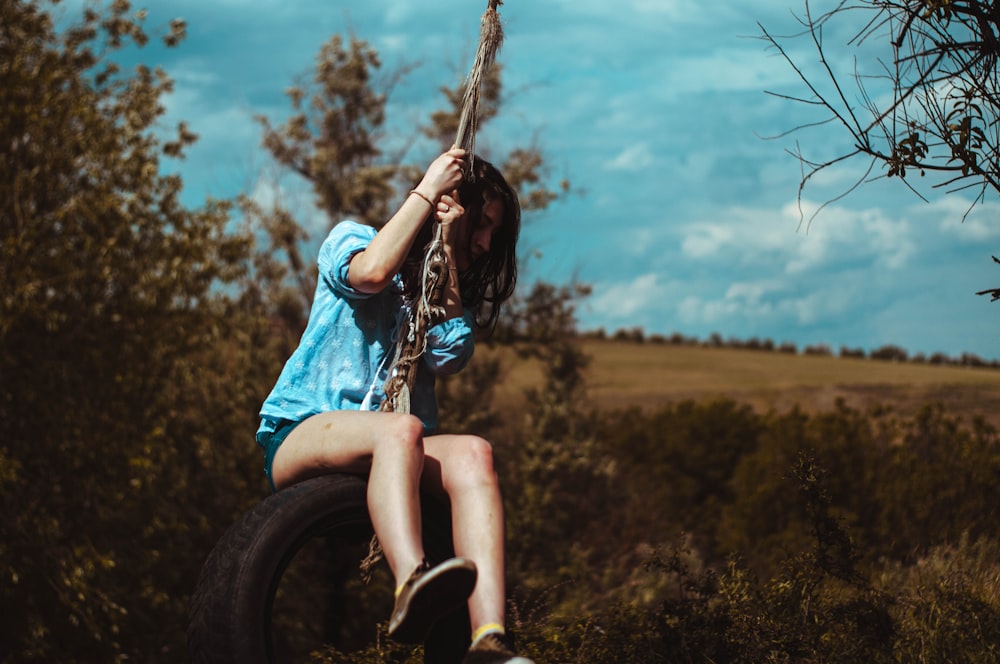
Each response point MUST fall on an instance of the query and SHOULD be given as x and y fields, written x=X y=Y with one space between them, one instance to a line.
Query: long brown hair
x=490 y=280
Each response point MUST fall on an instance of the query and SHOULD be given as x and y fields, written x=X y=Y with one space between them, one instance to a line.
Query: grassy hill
x=623 y=373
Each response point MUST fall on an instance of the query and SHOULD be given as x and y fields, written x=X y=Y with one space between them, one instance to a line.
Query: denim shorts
x=270 y=436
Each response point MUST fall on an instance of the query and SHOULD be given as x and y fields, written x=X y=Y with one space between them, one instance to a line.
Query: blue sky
x=683 y=217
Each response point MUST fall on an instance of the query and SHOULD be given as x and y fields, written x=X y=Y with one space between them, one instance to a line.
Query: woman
x=323 y=417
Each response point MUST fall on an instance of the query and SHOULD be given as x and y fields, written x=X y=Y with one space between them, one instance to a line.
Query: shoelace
x=496 y=641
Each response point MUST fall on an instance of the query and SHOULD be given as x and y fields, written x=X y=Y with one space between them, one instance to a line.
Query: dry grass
x=647 y=375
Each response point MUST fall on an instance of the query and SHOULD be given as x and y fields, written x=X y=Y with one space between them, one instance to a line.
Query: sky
x=683 y=214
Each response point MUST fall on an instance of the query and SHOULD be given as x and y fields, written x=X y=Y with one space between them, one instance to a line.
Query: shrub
x=818 y=349
x=890 y=354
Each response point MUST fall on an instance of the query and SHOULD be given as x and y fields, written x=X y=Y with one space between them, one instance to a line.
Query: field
x=646 y=375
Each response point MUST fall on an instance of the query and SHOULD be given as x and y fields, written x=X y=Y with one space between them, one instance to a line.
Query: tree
x=932 y=108
x=125 y=349
x=333 y=140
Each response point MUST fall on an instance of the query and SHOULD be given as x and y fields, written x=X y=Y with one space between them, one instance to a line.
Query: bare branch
x=934 y=108
x=993 y=292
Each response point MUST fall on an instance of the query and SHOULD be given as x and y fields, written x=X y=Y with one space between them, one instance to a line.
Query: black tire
x=231 y=607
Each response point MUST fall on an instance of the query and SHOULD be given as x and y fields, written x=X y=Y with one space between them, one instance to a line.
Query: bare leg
x=461 y=468
x=388 y=448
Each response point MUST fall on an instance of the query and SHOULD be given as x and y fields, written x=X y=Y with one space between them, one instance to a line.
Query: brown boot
x=428 y=594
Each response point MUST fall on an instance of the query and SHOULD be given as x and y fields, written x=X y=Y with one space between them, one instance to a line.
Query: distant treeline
x=887 y=353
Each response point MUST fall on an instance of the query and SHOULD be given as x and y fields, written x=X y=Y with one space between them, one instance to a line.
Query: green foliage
x=552 y=468
x=926 y=508
x=332 y=137
x=949 y=602
x=817 y=607
x=786 y=553
x=465 y=400
x=115 y=344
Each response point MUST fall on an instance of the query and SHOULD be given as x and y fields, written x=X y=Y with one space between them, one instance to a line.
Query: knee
x=403 y=433
x=474 y=462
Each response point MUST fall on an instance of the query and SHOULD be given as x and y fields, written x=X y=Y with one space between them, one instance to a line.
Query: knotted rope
x=411 y=338
x=427 y=311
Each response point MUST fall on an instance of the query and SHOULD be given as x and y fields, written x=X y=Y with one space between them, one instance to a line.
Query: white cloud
x=869 y=234
x=770 y=303
x=633 y=158
x=753 y=270
x=726 y=70
x=696 y=312
x=742 y=235
x=624 y=300
x=752 y=292
x=295 y=196
x=669 y=13
x=706 y=240
x=824 y=302
x=954 y=217
x=754 y=236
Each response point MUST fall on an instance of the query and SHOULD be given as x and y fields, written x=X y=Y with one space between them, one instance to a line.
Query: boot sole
x=439 y=591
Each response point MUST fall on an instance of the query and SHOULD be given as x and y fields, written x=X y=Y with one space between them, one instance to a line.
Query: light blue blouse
x=349 y=340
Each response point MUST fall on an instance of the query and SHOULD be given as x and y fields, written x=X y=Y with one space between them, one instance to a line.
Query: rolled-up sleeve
x=450 y=345
x=345 y=240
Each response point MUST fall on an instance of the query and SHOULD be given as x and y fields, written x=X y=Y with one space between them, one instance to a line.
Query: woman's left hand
x=451 y=215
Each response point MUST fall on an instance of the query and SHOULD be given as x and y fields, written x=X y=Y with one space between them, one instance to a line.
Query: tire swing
x=231 y=610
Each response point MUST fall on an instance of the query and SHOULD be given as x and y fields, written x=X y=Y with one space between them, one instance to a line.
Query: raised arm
x=373 y=269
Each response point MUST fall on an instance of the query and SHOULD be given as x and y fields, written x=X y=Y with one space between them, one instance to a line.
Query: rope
x=410 y=346
x=411 y=339
x=490 y=40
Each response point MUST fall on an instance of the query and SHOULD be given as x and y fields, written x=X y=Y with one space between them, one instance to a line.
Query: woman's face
x=478 y=237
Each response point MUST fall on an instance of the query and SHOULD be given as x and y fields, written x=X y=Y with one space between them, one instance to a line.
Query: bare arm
x=373 y=269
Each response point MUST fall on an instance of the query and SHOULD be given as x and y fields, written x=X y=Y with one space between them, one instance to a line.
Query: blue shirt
x=349 y=340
